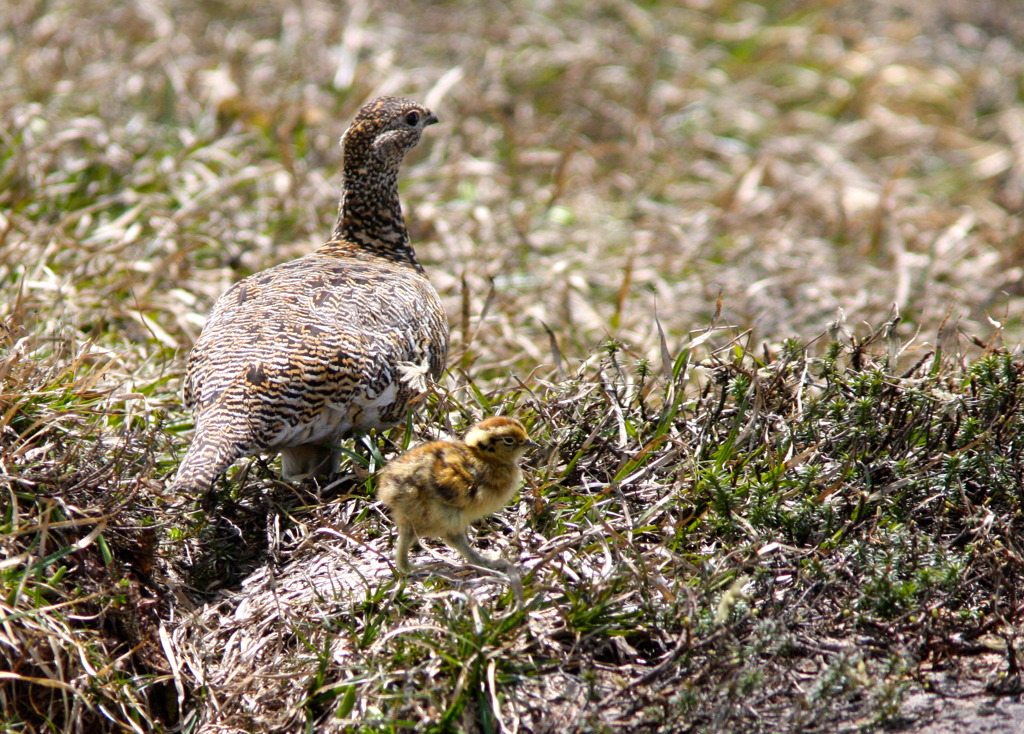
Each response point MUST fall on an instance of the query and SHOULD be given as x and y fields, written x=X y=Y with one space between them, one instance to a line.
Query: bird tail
x=214 y=448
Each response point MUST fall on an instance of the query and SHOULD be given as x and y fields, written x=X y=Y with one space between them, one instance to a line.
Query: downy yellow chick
x=436 y=490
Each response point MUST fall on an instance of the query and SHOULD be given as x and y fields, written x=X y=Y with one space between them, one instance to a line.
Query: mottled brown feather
x=296 y=358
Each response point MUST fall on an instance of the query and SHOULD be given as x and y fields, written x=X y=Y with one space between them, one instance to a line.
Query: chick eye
x=412 y=117
x=508 y=440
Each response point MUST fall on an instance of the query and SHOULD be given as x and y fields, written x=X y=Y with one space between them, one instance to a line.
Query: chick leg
x=406 y=536
x=460 y=542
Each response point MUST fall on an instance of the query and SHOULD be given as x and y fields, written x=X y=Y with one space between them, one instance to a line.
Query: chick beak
x=531 y=445
x=430 y=119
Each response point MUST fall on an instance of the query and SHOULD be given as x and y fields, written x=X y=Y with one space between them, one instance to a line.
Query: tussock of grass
x=670 y=237
x=783 y=542
x=78 y=545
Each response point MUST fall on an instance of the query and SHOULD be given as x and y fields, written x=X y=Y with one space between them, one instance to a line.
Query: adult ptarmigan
x=295 y=358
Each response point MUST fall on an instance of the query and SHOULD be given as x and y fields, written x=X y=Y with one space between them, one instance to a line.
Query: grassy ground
x=751 y=273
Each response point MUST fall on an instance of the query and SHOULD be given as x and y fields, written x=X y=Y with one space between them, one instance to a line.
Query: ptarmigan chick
x=437 y=489
x=298 y=357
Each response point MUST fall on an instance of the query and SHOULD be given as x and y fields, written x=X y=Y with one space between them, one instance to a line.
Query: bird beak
x=531 y=445
x=430 y=119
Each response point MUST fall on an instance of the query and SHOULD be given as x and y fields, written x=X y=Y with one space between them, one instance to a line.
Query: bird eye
x=412 y=117
x=508 y=440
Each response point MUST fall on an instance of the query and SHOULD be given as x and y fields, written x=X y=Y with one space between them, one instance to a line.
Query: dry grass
x=671 y=236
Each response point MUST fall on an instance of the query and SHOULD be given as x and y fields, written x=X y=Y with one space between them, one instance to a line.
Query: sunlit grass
x=669 y=237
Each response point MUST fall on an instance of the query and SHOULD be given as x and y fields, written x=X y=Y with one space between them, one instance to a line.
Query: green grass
x=669 y=238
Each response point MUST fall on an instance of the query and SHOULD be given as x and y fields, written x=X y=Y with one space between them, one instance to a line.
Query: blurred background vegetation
x=599 y=163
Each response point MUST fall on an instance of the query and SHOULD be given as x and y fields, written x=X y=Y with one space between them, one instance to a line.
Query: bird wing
x=316 y=333
x=454 y=476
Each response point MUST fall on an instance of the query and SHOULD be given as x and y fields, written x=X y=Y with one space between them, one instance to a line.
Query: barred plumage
x=297 y=357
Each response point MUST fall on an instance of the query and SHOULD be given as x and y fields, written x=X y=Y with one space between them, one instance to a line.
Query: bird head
x=385 y=129
x=501 y=437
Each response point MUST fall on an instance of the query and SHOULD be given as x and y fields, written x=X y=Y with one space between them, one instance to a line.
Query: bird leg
x=406 y=537
x=301 y=462
x=460 y=542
